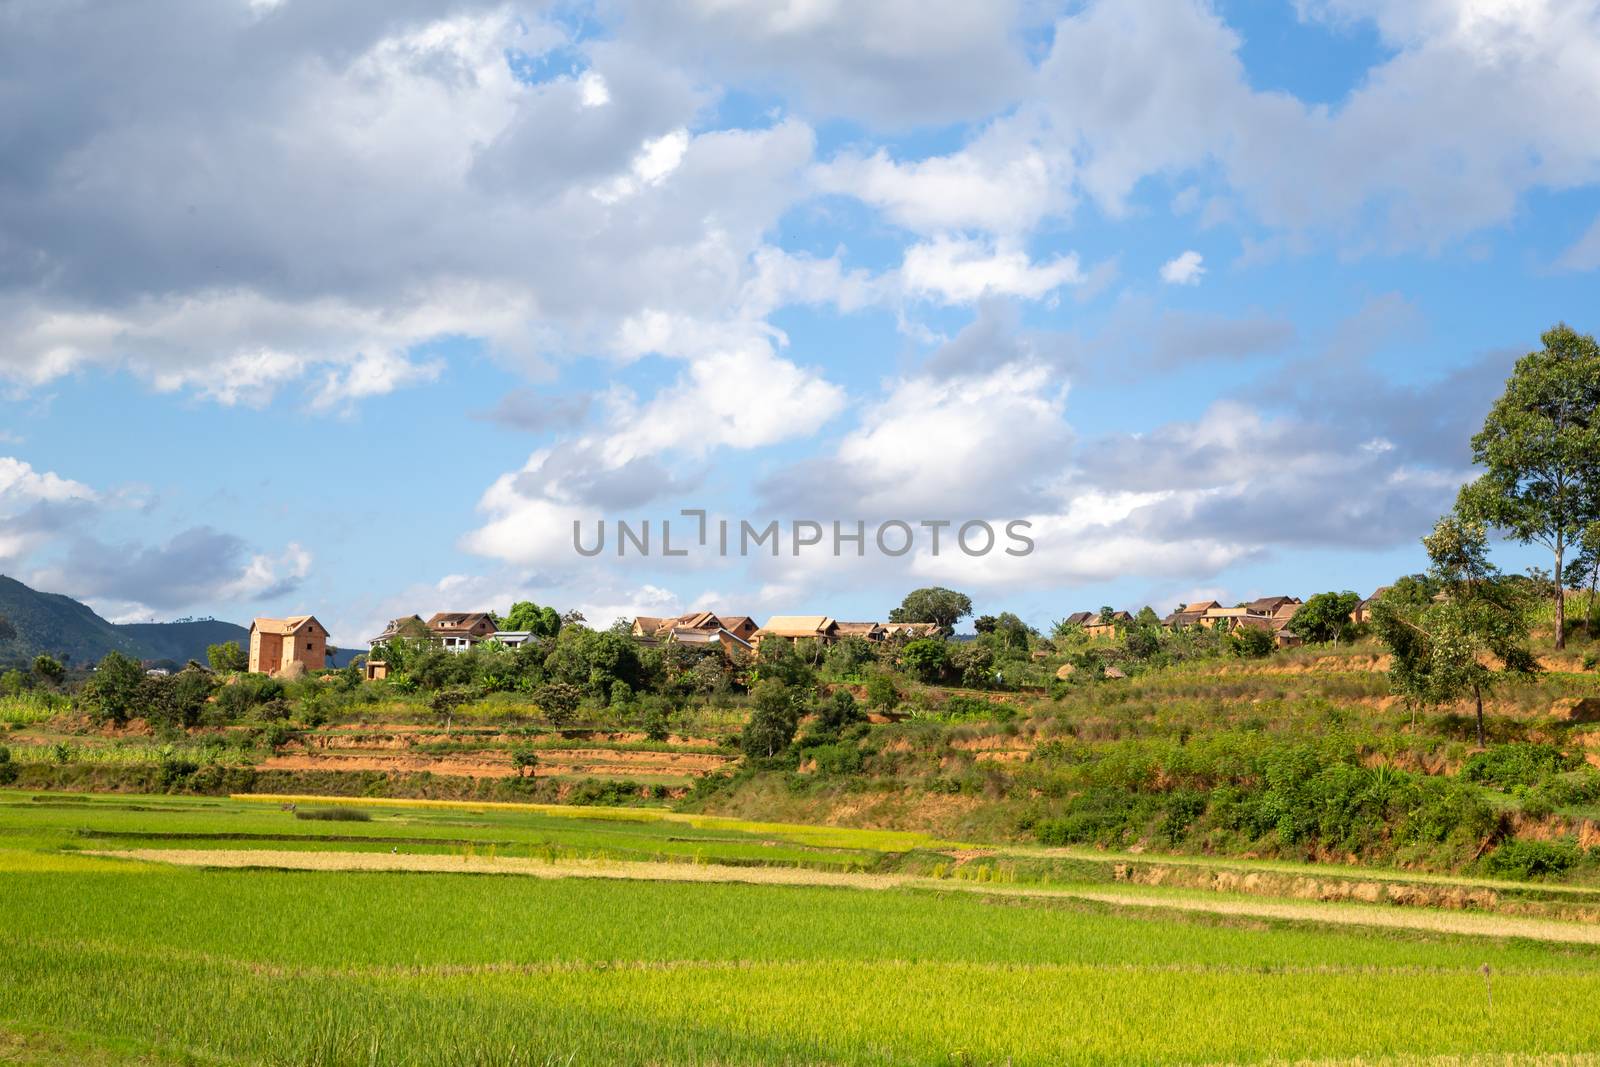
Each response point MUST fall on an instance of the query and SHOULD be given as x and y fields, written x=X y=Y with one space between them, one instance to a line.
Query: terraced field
x=167 y=930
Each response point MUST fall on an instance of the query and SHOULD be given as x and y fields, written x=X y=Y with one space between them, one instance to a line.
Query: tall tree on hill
x=1465 y=639
x=934 y=604
x=1540 y=447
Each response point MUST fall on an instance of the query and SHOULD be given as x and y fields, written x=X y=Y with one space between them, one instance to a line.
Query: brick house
x=288 y=646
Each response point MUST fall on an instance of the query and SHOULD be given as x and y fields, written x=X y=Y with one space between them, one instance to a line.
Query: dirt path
x=1444 y=922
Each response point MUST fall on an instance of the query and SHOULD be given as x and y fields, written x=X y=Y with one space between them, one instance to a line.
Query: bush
x=1517 y=764
x=8 y=770
x=1531 y=859
x=881 y=692
x=1448 y=810
x=839 y=759
x=245 y=693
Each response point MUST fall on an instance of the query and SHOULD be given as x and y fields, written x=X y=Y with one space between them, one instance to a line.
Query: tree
x=1107 y=615
x=559 y=702
x=774 y=718
x=49 y=668
x=525 y=615
x=8 y=630
x=934 y=604
x=838 y=711
x=1010 y=632
x=1540 y=447
x=881 y=693
x=926 y=658
x=1252 y=642
x=1464 y=641
x=984 y=624
x=1143 y=642
x=1325 y=617
x=226 y=657
x=114 y=690
x=1065 y=630
x=524 y=759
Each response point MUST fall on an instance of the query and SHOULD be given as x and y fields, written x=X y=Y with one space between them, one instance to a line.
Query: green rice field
x=110 y=960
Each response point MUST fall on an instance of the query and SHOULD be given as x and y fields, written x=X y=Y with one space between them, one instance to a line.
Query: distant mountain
x=59 y=625
x=183 y=641
x=73 y=633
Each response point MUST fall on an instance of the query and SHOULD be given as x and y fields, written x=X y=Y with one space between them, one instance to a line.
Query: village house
x=457 y=631
x=911 y=630
x=792 y=628
x=1189 y=614
x=650 y=628
x=408 y=626
x=1270 y=605
x=1363 y=612
x=867 y=631
x=288 y=646
x=1096 y=627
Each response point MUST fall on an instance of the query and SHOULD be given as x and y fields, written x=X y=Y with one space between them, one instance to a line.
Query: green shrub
x=837 y=759
x=1518 y=764
x=1531 y=859
x=1448 y=810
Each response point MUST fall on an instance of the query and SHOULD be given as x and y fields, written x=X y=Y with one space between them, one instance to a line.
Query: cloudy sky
x=353 y=308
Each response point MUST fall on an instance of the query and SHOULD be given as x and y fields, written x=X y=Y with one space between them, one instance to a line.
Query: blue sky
x=355 y=310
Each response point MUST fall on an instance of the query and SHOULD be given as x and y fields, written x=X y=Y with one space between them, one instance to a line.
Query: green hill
x=183 y=641
x=72 y=632
x=57 y=624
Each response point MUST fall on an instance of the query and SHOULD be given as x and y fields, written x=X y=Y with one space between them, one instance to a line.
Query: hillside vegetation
x=1197 y=749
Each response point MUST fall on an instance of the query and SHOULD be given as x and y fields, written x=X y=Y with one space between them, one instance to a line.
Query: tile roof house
x=660 y=629
x=458 y=631
x=689 y=635
x=288 y=646
x=1189 y=614
x=1268 y=605
x=410 y=626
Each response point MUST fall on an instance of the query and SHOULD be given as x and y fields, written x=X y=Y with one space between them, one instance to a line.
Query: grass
x=108 y=961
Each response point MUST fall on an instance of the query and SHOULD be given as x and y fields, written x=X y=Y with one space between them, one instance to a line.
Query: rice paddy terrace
x=157 y=930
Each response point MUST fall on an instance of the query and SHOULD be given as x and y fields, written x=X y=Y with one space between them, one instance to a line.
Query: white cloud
x=1005 y=182
x=960 y=271
x=1183 y=269
x=592 y=90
